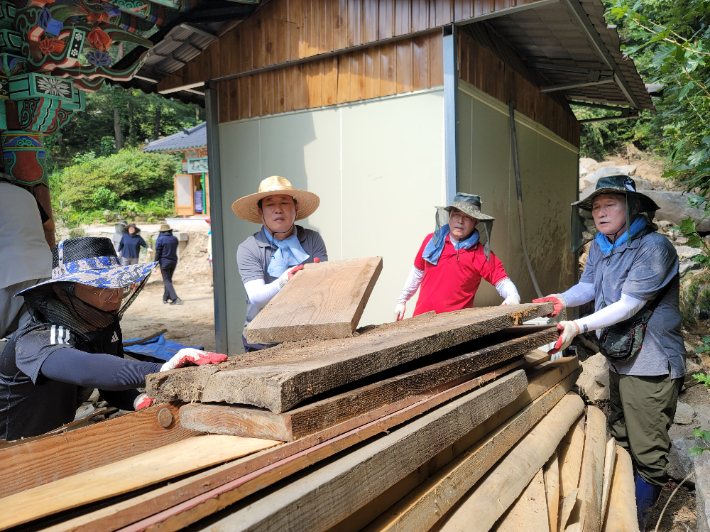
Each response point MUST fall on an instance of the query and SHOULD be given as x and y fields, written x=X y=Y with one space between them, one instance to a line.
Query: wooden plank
x=125 y=475
x=424 y=506
x=205 y=493
x=621 y=516
x=282 y=377
x=609 y=460
x=568 y=505
x=323 y=300
x=503 y=484
x=587 y=514
x=535 y=358
x=52 y=458
x=552 y=491
x=378 y=398
x=570 y=452
x=529 y=513
x=325 y=496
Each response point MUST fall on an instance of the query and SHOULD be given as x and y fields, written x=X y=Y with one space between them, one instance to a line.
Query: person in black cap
x=632 y=276
x=73 y=344
x=452 y=261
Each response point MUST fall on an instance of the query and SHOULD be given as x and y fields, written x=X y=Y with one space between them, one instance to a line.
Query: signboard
x=197 y=166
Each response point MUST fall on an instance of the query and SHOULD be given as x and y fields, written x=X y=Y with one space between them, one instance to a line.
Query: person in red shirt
x=451 y=263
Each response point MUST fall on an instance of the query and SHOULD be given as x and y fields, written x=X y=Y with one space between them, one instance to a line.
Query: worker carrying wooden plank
x=632 y=275
x=451 y=262
x=271 y=256
x=72 y=343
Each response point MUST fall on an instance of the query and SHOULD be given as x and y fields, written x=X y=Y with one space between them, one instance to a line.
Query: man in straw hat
x=632 y=276
x=272 y=255
x=166 y=247
x=72 y=343
x=451 y=262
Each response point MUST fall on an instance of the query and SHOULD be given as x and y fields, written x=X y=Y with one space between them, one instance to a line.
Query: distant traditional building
x=192 y=185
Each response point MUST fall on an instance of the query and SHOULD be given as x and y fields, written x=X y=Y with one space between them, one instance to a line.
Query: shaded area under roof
x=186 y=139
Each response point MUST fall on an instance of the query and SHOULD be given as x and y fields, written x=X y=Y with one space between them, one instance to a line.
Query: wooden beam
x=423 y=507
x=621 y=516
x=529 y=513
x=326 y=495
x=282 y=377
x=587 y=514
x=552 y=491
x=570 y=451
x=379 y=398
x=535 y=358
x=124 y=476
x=44 y=460
x=324 y=300
x=206 y=493
x=505 y=482
x=609 y=460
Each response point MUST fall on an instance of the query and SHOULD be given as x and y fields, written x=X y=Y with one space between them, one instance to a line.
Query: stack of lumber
x=448 y=421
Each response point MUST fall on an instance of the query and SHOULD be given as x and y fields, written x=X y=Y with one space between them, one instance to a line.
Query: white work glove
x=568 y=330
x=142 y=401
x=511 y=300
x=192 y=357
x=399 y=311
x=288 y=275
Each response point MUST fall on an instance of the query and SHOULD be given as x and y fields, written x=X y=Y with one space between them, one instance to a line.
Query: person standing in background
x=166 y=256
x=129 y=247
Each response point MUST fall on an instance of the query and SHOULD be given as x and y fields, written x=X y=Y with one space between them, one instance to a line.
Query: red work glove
x=568 y=330
x=142 y=401
x=192 y=357
x=316 y=260
x=558 y=304
x=293 y=271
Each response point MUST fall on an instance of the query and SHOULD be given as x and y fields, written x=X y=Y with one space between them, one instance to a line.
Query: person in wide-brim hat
x=72 y=343
x=272 y=255
x=452 y=261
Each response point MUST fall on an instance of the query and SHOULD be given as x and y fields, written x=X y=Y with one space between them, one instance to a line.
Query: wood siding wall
x=483 y=69
x=288 y=30
x=403 y=66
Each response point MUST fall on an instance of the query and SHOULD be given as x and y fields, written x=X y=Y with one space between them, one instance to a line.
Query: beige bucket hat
x=247 y=207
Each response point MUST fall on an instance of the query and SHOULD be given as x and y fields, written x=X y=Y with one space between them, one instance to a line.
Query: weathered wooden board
x=323 y=497
x=381 y=397
x=187 y=501
x=529 y=512
x=125 y=475
x=45 y=460
x=282 y=377
x=502 y=485
x=483 y=447
x=324 y=300
x=621 y=515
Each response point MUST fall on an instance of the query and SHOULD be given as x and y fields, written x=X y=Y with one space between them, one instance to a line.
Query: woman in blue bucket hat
x=73 y=344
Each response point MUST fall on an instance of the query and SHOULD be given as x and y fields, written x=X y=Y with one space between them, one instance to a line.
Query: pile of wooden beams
x=448 y=421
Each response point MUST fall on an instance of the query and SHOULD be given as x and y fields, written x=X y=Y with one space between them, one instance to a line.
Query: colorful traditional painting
x=197 y=166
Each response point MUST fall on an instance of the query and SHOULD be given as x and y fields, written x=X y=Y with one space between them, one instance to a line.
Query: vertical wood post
x=451 y=89
x=215 y=191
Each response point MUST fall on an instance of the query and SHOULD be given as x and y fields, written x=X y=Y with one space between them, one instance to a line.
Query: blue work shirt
x=130 y=245
x=641 y=270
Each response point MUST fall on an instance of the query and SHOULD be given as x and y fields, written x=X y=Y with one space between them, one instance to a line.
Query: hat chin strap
x=276 y=232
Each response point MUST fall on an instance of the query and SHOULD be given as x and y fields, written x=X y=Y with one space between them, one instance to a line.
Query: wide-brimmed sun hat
x=469 y=204
x=617 y=184
x=247 y=208
x=164 y=227
x=93 y=261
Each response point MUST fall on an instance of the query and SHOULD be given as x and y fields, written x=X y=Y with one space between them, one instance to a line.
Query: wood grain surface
x=570 y=452
x=45 y=460
x=125 y=475
x=621 y=515
x=379 y=398
x=282 y=377
x=323 y=497
x=324 y=300
x=529 y=512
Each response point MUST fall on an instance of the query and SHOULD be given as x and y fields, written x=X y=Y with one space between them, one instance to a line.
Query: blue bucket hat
x=93 y=261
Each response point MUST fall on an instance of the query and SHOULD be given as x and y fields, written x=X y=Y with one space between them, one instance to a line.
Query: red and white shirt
x=452 y=284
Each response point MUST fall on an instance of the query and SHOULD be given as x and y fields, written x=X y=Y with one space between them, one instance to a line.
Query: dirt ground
x=191 y=323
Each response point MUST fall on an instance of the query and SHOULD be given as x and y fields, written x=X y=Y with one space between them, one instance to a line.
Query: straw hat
x=247 y=207
x=164 y=227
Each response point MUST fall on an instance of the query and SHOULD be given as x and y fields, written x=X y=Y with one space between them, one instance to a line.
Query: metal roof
x=195 y=137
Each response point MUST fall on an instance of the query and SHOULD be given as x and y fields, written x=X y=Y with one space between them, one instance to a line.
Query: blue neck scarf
x=638 y=225
x=432 y=251
x=289 y=253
